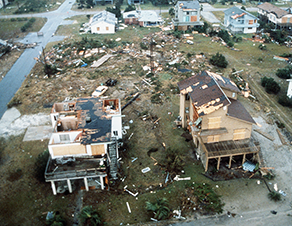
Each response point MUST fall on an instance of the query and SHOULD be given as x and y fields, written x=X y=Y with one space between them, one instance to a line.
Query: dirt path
x=265 y=99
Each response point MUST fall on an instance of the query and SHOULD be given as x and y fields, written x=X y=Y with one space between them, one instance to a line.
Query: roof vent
x=88 y=119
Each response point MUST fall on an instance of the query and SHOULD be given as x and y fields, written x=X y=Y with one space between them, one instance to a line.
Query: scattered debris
x=248 y=166
x=131 y=193
x=265 y=134
x=177 y=178
x=145 y=170
x=128 y=207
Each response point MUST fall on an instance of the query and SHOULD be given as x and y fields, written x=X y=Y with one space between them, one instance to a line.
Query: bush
x=271 y=86
x=224 y=35
x=159 y=208
x=50 y=69
x=285 y=101
x=284 y=73
x=262 y=47
x=230 y=44
x=56 y=220
x=89 y=216
x=143 y=46
x=130 y=8
x=208 y=199
x=40 y=165
x=219 y=60
x=275 y=196
x=173 y=161
x=171 y=11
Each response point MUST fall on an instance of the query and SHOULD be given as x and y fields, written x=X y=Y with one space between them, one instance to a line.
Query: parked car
x=99 y=91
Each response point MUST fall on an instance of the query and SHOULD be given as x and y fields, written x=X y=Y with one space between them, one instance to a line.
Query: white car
x=99 y=91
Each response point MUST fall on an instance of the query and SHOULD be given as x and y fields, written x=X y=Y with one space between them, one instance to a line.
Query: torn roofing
x=237 y=110
x=224 y=83
x=205 y=92
x=98 y=128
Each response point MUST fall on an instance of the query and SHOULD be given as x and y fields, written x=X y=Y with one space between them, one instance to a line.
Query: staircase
x=112 y=151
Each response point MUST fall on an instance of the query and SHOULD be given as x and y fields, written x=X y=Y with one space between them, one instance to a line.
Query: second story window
x=64 y=137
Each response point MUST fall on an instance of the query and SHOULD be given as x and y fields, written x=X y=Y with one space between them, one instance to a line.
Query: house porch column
x=54 y=187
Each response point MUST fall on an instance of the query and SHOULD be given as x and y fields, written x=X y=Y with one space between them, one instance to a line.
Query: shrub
x=271 y=86
x=283 y=73
x=56 y=220
x=159 y=208
x=89 y=216
x=173 y=161
x=40 y=165
x=50 y=69
x=224 y=35
x=285 y=101
x=230 y=44
x=219 y=60
x=262 y=47
x=208 y=199
x=276 y=196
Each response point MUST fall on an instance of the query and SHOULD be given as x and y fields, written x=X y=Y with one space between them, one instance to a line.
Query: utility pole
x=152 y=43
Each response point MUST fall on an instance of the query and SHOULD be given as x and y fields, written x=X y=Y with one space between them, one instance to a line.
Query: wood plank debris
x=102 y=60
x=265 y=134
x=129 y=209
x=281 y=137
x=131 y=193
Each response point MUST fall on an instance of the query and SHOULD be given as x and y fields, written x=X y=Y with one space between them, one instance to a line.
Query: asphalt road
x=22 y=67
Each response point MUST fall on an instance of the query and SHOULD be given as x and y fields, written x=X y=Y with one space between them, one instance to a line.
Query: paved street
x=22 y=67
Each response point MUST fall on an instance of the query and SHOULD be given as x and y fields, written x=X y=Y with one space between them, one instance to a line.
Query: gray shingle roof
x=273 y=9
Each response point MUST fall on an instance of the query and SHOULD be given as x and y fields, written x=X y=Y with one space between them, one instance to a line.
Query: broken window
x=64 y=137
x=250 y=22
x=214 y=123
x=115 y=133
x=97 y=28
x=107 y=28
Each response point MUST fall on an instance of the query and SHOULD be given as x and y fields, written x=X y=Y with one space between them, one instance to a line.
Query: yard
x=145 y=140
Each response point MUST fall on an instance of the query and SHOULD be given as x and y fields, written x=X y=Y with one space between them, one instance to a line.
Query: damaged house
x=187 y=15
x=220 y=126
x=240 y=21
x=273 y=14
x=84 y=143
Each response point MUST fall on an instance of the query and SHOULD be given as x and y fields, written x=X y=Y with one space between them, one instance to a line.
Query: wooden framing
x=229 y=149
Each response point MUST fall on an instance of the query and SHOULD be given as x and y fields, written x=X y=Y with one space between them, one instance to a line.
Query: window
x=214 y=123
x=250 y=22
x=97 y=28
x=115 y=133
x=250 y=28
x=233 y=95
x=238 y=134
x=187 y=97
x=64 y=137
x=107 y=28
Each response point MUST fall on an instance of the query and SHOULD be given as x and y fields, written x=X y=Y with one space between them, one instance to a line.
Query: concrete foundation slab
x=38 y=133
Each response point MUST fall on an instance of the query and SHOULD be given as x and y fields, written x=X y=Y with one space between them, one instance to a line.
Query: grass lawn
x=12 y=7
x=10 y=28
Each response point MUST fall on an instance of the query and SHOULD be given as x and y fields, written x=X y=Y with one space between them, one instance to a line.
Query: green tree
x=171 y=11
x=219 y=60
x=129 y=8
x=271 y=86
x=89 y=217
x=159 y=208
